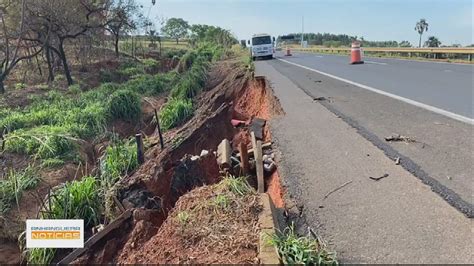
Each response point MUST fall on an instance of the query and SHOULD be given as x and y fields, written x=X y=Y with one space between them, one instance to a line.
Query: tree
x=13 y=46
x=405 y=44
x=207 y=33
x=55 y=22
x=122 y=18
x=175 y=28
x=432 y=42
x=421 y=26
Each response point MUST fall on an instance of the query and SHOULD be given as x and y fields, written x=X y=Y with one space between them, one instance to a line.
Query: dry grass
x=211 y=224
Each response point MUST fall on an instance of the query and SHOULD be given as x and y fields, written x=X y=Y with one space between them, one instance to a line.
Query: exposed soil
x=170 y=173
x=209 y=234
x=275 y=190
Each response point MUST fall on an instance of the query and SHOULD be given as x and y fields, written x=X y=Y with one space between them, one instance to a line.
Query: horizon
x=244 y=18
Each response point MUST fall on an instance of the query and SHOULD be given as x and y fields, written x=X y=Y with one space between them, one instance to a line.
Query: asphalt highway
x=446 y=86
x=335 y=163
x=441 y=154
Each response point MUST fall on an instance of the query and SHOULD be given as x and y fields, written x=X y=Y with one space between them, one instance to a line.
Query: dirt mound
x=208 y=225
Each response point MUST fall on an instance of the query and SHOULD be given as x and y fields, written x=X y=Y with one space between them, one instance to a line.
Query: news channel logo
x=44 y=233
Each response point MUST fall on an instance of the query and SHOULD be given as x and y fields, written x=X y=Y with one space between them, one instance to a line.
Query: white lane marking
x=403 y=99
x=372 y=62
x=320 y=56
x=447 y=70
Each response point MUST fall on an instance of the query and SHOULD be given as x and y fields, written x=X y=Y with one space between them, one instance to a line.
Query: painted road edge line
x=403 y=99
x=373 y=62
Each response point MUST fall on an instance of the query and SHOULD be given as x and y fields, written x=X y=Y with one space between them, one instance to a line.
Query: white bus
x=262 y=45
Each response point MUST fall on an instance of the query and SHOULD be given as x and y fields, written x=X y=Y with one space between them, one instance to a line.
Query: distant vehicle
x=261 y=45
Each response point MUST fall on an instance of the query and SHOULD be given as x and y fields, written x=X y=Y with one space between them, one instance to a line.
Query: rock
x=204 y=153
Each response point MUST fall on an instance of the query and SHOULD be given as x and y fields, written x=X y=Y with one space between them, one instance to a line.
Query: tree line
x=45 y=30
x=337 y=40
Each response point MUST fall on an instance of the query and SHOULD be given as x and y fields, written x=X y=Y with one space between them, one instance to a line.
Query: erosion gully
x=231 y=92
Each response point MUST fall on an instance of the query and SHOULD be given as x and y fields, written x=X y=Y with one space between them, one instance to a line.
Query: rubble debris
x=265 y=147
x=256 y=126
x=319 y=98
x=136 y=198
x=237 y=123
x=189 y=174
x=258 y=162
x=224 y=151
x=195 y=157
x=336 y=189
x=398 y=137
x=397 y=160
x=269 y=167
x=244 y=158
x=91 y=241
x=378 y=178
x=204 y=153
x=234 y=159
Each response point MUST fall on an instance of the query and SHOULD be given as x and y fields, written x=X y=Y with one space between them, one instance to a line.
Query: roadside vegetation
x=62 y=97
x=294 y=249
x=12 y=186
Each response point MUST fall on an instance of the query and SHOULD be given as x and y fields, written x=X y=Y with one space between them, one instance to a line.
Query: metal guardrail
x=441 y=50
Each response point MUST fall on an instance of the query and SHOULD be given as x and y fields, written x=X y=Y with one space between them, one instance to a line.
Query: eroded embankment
x=231 y=93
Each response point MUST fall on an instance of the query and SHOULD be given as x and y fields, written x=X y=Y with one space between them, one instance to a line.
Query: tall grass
x=125 y=104
x=76 y=200
x=118 y=160
x=43 y=142
x=13 y=185
x=41 y=256
x=175 y=112
x=192 y=81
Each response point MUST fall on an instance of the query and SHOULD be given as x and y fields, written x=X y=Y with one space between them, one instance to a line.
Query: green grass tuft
x=301 y=250
x=238 y=185
x=125 y=104
x=175 y=112
x=119 y=160
x=13 y=185
x=41 y=256
x=76 y=200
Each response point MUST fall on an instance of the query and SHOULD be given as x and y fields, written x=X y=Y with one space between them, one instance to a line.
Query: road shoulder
x=327 y=165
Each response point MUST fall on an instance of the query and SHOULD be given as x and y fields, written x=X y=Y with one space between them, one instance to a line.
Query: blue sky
x=449 y=20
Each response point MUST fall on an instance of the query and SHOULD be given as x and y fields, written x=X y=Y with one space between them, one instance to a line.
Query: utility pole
x=302 y=30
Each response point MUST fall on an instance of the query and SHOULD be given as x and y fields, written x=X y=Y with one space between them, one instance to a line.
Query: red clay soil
x=198 y=230
x=234 y=96
x=257 y=101
x=275 y=190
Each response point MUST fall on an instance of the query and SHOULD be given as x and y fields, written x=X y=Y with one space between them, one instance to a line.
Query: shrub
x=13 y=185
x=175 y=112
x=125 y=104
x=151 y=65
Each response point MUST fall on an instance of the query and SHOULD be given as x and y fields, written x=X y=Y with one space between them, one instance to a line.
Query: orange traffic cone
x=356 y=56
x=288 y=52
